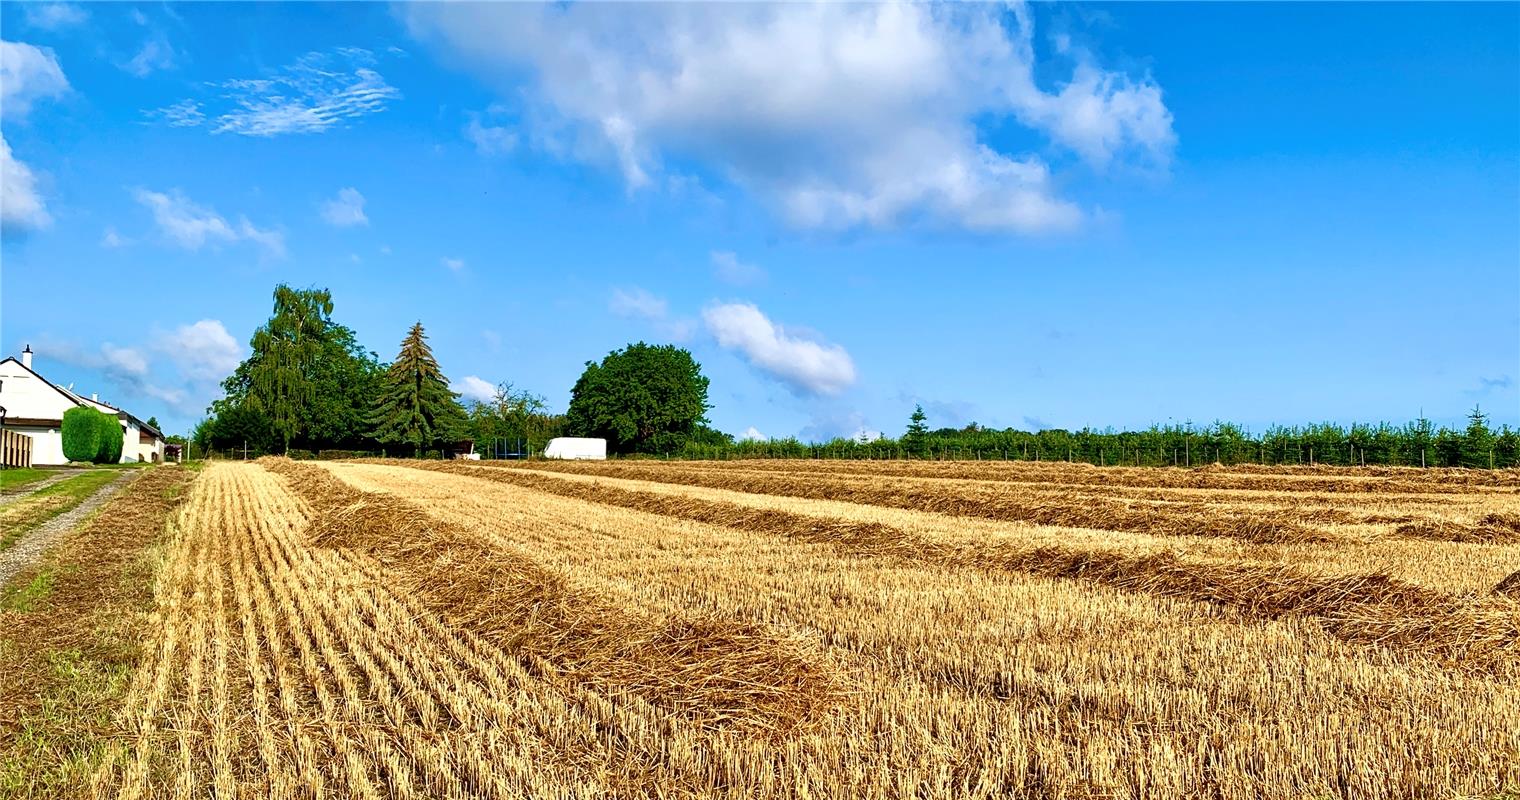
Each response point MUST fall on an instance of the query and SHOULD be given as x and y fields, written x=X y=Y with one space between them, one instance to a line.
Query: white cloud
x=317 y=92
x=22 y=208
x=124 y=361
x=192 y=226
x=54 y=16
x=805 y=366
x=490 y=140
x=155 y=54
x=454 y=264
x=752 y=434
x=473 y=387
x=839 y=424
x=188 y=224
x=127 y=367
x=27 y=74
x=184 y=114
x=728 y=268
x=203 y=350
x=840 y=115
x=638 y=303
x=113 y=240
x=272 y=241
x=200 y=353
x=345 y=210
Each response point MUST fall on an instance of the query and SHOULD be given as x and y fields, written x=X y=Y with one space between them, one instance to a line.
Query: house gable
x=27 y=395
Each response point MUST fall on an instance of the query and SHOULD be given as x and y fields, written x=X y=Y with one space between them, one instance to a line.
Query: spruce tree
x=415 y=405
x=1477 y=440
x=916 y=439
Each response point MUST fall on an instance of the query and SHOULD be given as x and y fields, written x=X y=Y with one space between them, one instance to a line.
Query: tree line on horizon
x=308 y=387
x=1418 y=444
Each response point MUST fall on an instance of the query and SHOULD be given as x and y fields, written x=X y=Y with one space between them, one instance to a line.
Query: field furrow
x=413 y=629
x=1450 y=567
x=1280 y=524
x=1090 y=690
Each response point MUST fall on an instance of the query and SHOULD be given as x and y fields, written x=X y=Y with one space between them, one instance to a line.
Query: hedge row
x=90 y=435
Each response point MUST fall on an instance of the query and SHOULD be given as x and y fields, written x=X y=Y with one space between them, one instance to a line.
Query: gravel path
x=44 y=536
x=22 y=491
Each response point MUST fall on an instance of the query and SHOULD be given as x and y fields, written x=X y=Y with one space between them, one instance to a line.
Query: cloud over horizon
x=805 y=366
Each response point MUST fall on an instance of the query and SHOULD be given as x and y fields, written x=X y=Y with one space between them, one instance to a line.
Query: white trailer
x=571 y=448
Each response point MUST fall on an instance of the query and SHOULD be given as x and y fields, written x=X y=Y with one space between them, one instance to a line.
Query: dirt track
x=34 y=544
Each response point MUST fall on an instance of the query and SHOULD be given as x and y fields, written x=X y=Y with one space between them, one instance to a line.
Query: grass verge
x=25 y=514
x=17 y=477
x=69 y=640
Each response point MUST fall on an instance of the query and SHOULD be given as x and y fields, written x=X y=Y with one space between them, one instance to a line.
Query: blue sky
x=1056 y=215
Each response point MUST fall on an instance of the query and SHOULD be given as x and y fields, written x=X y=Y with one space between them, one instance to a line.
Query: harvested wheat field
x=383 y=629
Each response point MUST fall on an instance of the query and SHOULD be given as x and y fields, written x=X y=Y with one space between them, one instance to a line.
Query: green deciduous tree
x=307 y=381
x=415 y=406
x=81 y=434
x=641 y=399
x=513 y=415
x=284 y=349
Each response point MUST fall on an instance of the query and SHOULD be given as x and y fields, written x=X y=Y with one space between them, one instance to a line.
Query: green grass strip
x=24 y=515
x=17 y=477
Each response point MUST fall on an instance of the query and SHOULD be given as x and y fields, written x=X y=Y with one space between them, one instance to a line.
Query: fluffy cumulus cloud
x=753 y=434
x=27 y=74
x=319 y=91
x=839 y=115
x=194 y=226
x=452 y=264
x=346 y=210
x=806 y=366
x=22 y=208
x=473 y=387
x=203 y=350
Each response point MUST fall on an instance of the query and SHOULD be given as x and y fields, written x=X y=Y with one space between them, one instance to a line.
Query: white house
x=34 y=406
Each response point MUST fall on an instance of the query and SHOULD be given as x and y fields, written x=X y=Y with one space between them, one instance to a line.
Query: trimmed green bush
x=81 y=434
x=111 y=439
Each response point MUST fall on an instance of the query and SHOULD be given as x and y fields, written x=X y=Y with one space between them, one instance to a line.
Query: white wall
x=47 y=444
x=149 y=451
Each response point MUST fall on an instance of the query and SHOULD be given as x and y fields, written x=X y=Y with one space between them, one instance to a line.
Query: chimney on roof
x=95 y=397
x=26 y=357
